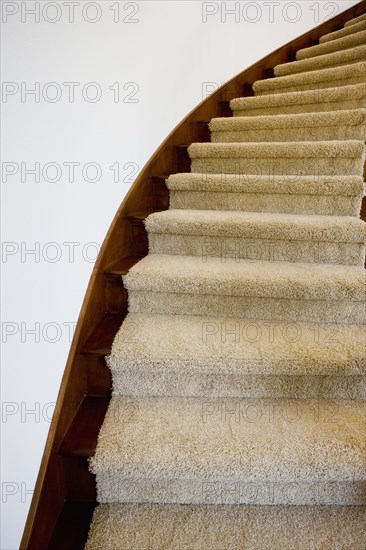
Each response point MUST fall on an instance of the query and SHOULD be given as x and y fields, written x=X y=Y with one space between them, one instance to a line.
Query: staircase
x=236 y=346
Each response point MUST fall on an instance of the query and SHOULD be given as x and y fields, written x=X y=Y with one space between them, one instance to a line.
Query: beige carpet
x=306 y=195
x=309 y=101
x=356 y=20
x=200 y=527
x=302 y=158
x=180 y=355
x=323 y=78
x=342 y=43
x=335 y=125
x=238 y=414
x=258 y=236
x=334 y=59
x=336 y=195
x=346 y=31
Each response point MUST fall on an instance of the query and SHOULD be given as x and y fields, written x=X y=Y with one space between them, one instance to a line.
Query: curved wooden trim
x=50 y=492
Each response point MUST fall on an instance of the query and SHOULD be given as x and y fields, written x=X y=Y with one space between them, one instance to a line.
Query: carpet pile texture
x=238 y=413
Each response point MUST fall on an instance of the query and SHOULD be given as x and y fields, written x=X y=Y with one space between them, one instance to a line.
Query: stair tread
x=355 y=20
x=81 y=437
x=355 y=91
x=100 y=340
x=249 y=440
x=290 y=127
x=299 y=120
x=199 y=527
x=338 y=44
x=274 y=184
x=314 y=77
x=323 y=149
x=257 y=225
x=190 y=274
x=345 y=31
x=335 y=59
x=224 y=345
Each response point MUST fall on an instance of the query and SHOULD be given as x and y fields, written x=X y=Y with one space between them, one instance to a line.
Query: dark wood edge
x=45 y=510
x=72 y=527
x=78 y=441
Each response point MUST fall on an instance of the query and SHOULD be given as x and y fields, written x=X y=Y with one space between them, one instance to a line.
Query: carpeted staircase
x=238 y=412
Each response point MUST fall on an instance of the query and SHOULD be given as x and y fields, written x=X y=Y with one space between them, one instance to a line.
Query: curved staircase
x=236 y=342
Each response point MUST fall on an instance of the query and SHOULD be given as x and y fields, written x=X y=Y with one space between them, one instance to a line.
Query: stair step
x=349 y=41
x=331 y=99
x=188 y=285
x=258 y=236
x=346 y=31
x=81 y=437
x=100 y=340
x=345 y=75
x=172 y=355
x=327 y=126
x=355 y=20
x=313 y=195
x=305 y=158
x=199 y=527
x=268 y=185
x=340 y=229
x=189 y=274
x=171 y=450
x=335 y=59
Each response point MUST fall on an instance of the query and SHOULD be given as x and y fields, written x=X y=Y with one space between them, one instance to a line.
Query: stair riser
x=272 y=89
x=268 y=166
x=325 y=133
x=211 y=491
x=139 y=383
x=204 y=246
x=266 y=309
x=261 y=202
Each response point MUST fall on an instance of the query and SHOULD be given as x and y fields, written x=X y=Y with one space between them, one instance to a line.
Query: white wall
x=169 y=54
